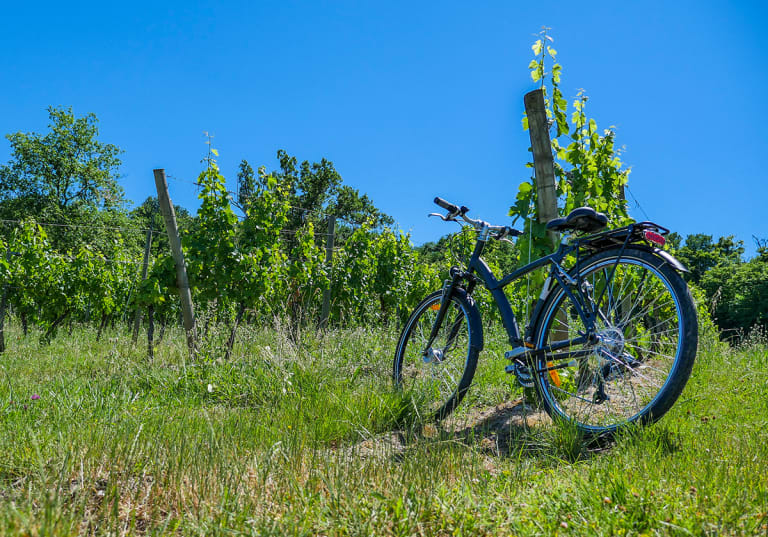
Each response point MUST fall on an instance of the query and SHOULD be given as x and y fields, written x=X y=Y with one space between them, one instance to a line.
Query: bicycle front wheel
x=647 y=334
x=437 y=374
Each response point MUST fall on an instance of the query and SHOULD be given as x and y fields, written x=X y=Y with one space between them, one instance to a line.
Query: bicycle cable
x=456 y=253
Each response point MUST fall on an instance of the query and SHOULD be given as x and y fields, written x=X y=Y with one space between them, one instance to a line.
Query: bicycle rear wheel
x=436 y=376
x=647 y=335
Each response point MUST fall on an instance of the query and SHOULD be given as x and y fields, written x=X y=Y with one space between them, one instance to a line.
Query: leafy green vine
x=588 y=168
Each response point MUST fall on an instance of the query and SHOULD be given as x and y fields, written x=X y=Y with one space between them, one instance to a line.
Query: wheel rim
x=619 y=378
x=432 y=381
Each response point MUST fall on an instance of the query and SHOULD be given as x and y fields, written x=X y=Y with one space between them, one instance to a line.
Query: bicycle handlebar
x=499 y=232
x=454 y=210
x=446 y=205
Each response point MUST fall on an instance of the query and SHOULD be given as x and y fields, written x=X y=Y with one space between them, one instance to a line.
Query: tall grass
x=303 y=435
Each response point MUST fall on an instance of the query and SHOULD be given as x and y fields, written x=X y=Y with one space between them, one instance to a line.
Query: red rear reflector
x=655 y=238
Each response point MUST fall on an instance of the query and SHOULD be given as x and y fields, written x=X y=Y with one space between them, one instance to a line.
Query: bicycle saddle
x=584 y=219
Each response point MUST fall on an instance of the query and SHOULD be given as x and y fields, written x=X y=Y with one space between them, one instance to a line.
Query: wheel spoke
x=639 y=339
x=436 y=378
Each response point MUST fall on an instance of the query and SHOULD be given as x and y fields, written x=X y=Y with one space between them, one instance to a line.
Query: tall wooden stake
x=169 y=215
x=543 y=163
x=329 y=239
x=544 y=167
x=3 y=306
x=144 y=270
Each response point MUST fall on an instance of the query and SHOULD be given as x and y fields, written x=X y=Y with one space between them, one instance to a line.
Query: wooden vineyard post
x=543 y=163
x=151 y=332
x=544 y=171
x=329 y=240
x=4 y=306
x=144 y=269
x=169 y=215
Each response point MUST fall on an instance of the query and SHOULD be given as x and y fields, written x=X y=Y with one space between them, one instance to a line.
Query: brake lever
x=443 y=218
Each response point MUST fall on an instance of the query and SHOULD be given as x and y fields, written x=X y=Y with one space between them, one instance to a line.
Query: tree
x=674 y=241
x=350 y=205
x=64 y=176
x=66 y=167
x=739 y=294
x=246 y=186
x=700 y=254
x=762 y=247
x=313 y=191
x=148 y=216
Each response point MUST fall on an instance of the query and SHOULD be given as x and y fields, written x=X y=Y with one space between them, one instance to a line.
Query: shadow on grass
x=510 y=430
x=519 y=429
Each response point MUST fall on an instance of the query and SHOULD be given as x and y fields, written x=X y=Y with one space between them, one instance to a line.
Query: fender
x=669 y=258
x=475 y=321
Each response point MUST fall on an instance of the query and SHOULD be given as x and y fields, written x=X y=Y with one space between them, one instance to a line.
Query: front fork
x=448 y=287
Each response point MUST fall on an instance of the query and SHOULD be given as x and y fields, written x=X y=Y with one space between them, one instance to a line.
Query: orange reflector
x=435 y=307
x=655 y=238
x=554 y=374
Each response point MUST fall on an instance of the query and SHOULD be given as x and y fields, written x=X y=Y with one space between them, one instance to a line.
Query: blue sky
x=409 y=100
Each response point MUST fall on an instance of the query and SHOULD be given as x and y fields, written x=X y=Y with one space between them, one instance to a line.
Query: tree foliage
x=739 y=294
x=147 y=216
x=64 y=176
x=735 y=291
x=67 y=167
x=701 y=254
x=312 y=191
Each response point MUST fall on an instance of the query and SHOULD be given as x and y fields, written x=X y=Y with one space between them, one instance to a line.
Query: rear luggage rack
x=618 y=237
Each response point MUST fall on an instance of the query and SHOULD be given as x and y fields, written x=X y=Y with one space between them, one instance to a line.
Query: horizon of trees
x=68 y=176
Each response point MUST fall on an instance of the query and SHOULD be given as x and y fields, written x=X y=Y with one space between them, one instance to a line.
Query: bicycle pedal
x=522 y=373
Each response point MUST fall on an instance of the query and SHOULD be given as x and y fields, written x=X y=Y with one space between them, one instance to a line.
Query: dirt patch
x=518 y=413
x=501 y=430
x=498 y=431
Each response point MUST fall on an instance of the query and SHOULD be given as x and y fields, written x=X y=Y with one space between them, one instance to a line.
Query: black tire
x=437 y=382
x=649 y=335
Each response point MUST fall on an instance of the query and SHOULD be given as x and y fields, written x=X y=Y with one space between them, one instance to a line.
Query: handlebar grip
x=450 y=207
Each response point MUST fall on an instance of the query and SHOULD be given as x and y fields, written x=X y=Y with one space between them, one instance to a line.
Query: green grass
x=305 y=438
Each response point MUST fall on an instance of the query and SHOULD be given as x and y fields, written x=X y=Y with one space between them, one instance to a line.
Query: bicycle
x=611 y=340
